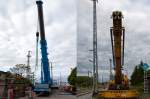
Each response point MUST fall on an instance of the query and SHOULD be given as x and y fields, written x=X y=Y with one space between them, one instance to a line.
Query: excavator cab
x=123 y=86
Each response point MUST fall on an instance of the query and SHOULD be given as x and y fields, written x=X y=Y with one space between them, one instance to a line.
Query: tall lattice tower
x=95 y=56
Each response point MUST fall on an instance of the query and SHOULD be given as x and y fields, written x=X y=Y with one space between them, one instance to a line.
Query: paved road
x=86 y=96
x=57 y=95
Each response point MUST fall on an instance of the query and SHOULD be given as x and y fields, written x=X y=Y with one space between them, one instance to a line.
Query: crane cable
x=37 y=41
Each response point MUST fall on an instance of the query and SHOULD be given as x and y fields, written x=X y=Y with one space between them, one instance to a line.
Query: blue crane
x=44 y=61
x=46 y=80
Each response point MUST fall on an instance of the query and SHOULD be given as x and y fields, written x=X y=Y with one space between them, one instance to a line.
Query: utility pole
x=102 y=79
x=95 y=56
x=51 y=67
x=145 y=82
x=145 y=67
x=32 y=77
x=60 y=79
x=28 y=64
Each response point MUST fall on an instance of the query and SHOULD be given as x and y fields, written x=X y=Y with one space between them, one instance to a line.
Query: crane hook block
x=37 y=34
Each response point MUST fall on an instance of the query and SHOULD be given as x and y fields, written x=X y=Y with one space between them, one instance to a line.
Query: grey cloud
x=18 y=27
x=136 y=15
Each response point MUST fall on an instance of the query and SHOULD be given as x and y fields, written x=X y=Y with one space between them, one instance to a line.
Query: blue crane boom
x=45 y=74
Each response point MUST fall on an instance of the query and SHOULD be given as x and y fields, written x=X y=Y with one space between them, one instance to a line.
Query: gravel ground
x=56 y=95
x=85 y=96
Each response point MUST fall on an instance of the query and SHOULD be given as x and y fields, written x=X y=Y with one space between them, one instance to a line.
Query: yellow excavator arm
x=119 y=87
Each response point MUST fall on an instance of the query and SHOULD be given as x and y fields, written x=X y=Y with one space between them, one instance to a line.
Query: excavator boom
x=118 y=88
x=117 y=39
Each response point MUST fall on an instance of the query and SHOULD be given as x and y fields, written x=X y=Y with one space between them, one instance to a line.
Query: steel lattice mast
x=95 y=56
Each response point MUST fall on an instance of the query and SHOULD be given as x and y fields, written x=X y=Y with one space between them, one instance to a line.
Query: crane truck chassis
x=119 y=87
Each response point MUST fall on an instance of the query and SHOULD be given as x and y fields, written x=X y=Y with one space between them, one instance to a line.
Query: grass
x=139 y=88
x=97 y=97
x=83 y=90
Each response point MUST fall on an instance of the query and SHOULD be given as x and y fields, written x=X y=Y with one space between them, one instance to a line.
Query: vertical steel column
x=145 y=82
x=123 y=31
x=51 y=71
x=112 y=44
x=28 y=64
x=95 y=56
x=110 y=69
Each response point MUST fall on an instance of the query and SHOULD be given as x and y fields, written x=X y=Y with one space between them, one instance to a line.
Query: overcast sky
x=137 y=40
x=18 y=26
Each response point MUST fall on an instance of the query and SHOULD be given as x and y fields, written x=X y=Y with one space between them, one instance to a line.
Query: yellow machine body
x=119 y=94
x=119 y=87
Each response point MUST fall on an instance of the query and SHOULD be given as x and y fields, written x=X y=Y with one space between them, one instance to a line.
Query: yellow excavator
x=119 y=87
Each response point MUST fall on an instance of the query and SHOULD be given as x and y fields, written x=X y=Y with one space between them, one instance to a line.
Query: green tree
x=84 y=81
x=19 y=69
x=137 y=76
x=72 y=77
x=148 y=72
